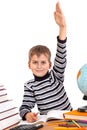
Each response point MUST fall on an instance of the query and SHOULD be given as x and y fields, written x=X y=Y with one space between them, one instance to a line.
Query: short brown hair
x=38 y=50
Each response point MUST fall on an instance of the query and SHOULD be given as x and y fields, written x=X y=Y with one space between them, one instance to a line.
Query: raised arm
x=61 y=22
x=60 y=59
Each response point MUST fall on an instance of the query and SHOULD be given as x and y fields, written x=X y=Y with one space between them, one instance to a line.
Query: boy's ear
x=50 y=65
x=29 y=64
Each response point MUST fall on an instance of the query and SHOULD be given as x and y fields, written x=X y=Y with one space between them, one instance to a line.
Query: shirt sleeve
x=28 y=101
x=60 y=59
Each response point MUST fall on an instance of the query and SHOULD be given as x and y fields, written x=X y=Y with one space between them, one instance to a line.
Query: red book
x=76 y=115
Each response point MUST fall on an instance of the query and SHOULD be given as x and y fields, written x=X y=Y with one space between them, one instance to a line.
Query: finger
x=57 y=15
x=58 y=8
x=30 y=120
x=34 y=117
x=36 y=113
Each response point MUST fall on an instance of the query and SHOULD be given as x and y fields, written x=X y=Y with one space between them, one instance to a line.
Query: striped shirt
x=48 y=92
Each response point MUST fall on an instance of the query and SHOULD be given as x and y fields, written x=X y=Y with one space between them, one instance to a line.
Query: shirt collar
x=41 y=78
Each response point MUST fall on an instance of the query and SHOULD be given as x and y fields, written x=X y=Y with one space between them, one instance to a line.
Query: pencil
x=76 y=123
x=62 y=128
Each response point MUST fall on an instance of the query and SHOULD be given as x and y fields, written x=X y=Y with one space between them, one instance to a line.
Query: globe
x=82 y=80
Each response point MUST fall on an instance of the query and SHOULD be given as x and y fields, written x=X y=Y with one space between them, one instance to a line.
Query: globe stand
x=85 y=97
x=83 y=108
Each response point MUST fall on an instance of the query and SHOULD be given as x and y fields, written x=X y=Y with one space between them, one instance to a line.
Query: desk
x=47 y=125
x=52 y=124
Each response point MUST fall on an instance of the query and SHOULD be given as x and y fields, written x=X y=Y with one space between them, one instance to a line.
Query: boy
x=46 y=89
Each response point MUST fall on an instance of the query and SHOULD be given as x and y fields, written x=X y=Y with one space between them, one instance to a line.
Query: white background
x=24 y=23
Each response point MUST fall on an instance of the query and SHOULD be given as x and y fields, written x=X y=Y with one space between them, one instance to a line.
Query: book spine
x=8 y=109
x=3 y=101
x=3 y=98
x=8 y=116
x=8 y=122
x=1 y=86
x=3 y=95
x=3 y=91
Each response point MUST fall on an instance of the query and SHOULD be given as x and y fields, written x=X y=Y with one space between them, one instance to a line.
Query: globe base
x=82 y=109
x=85 y=97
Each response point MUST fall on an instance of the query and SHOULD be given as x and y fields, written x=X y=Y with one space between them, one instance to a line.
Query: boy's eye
x=35 y=62
x=43 y=62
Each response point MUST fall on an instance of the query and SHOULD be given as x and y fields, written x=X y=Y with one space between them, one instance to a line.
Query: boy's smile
x=39 y=65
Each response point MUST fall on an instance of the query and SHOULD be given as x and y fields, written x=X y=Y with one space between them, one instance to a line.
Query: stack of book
x=77 y=116
x=9 y=115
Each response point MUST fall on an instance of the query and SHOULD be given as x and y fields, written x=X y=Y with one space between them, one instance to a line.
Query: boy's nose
x=39 y=65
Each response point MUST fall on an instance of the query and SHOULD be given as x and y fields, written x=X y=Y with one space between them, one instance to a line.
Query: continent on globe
x=82 y=80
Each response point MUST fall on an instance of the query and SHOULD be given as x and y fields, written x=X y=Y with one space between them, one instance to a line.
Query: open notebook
x=52 y=114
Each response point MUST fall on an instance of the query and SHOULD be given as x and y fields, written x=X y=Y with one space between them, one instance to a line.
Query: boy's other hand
x=31 y=117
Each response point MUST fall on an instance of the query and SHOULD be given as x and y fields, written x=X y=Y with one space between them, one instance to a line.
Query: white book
x=9 y=121
x=6 y=105
x=3 y=98
x=1 y=86
x=8 y=113
x=52 y=114
x=3 y=91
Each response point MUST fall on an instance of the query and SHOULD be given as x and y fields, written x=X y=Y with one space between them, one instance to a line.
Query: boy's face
x=39 y=65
